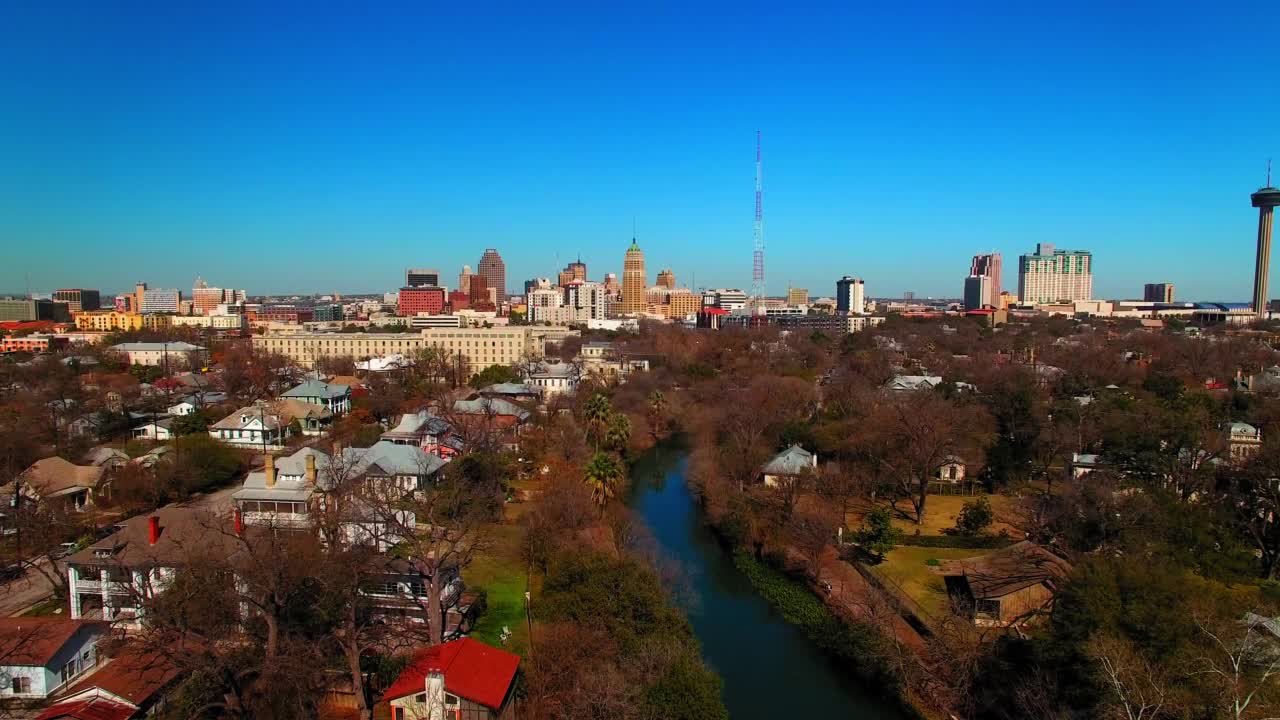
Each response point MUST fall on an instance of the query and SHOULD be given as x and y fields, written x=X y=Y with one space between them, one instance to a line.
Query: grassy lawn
x=500 y=572
x=940 y=512
x=908 y=568
x=52 y=606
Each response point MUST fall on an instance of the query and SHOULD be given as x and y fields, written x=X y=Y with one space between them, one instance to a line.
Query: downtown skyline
x=331 y=155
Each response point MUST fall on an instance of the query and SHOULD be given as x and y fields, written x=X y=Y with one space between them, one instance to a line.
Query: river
x=769 y=667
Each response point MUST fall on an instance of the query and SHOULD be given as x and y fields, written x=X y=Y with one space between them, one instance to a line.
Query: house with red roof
x=41 y=655
x=130 y=685
x=460 y=679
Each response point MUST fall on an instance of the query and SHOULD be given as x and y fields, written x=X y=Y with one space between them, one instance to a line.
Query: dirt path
x=854 y=599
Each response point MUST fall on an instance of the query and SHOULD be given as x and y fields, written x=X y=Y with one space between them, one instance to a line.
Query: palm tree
x=596 y=412
x=657 y=411
x=618 y=435
x=602 y=474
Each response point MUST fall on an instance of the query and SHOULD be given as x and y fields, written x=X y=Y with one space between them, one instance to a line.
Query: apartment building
x=1049 y=275
x=479 y=346
x=108 y=321
x=160 y=301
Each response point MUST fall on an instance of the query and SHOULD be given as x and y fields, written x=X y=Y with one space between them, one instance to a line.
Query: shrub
x=878 y=535
x=975 y=517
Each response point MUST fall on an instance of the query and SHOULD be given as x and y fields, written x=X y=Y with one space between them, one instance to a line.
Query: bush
x=975 y=517
x=877 y=534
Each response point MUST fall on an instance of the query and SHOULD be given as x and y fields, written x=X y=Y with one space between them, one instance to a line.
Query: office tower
x=478 y=293
x=139 y=294
x=421 y=277
x=850 y=296
x=667 y=279
x=494 y=272
x=908 y=296
x=420 y=299
x=576 y=270
x=988 y=265
x=977 y=292
x=1157 y=292
x=611 y=283
x=1265 y=200
x=205 y=300
x=633 y=280
x=124 y=302
x=464 y=280
x=78 y=299
x=536 y=284
x=1049 y=275
x=161 y=301
x=797 y=296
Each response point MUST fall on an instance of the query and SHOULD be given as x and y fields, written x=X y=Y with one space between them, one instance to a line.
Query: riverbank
x=749 y=641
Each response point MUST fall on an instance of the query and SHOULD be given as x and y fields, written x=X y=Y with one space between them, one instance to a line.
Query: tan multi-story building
x=108 y=320
x=667 y=279
x=480 y=347
x=633 y=281
x=797 y=296
x=1050 y=276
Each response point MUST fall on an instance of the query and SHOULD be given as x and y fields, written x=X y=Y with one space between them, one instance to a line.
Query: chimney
x=311 y=469
x=153 y=529
x=270 y=469
x=435 y=691
x=237 y=522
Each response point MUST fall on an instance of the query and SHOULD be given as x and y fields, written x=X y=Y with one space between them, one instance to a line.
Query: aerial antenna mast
x=757 y=257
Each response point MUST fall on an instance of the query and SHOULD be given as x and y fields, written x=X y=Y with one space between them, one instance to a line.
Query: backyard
x=907 y=569
x=500 y=572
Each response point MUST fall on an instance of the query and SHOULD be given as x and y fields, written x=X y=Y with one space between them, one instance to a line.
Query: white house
x=254 y=426
x=335 y=398
x=790 y=463
x=1243 y=439
x=553 y=378
x=42 y=655
x=165 y=354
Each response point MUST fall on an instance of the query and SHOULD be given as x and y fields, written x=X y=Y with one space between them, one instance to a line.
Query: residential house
x=335 y=398
x=130 y=685
x=253 y=427
x=1243 y=440
x=950 y=476
x=398 y=592
x=195 y=402
x=460 y=679
x=515 y=392
x=153 y=457
x=426 y=430
x=1084 y=463
x=157 y=428
x=554 y=378
x=111 y=579
x=1007 y=587
x=41 y=655
x=912 y=383
x=358 y=386
x=489 y=420
x=788 y=465
x=107 y=457
x=310 y=418
x=55 y=479
x=282 y=494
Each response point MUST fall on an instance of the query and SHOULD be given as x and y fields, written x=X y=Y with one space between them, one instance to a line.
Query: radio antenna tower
x=757 y=257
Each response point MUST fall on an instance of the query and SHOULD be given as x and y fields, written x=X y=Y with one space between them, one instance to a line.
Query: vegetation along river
x=769 y=667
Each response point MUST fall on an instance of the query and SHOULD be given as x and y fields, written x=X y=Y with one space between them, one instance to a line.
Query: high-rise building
x=988 y=265
x=421 y=277
x=977 y=292
x=27 y=309
x=850 y=296
x=1265 y=199
x=464 y=280
x=1049 y=275
x=78 y=299
x=576 y=270
x=1157 y=292
x=633 y=280
x=611 y=283
x=494 y=272
x=667 y=279
x=205 y=300
x=479 y=293
x=420 y=299
x=139 y=293
x=797 y=296
x=161 y=301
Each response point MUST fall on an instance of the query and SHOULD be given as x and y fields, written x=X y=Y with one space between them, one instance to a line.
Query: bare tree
x=1137 y=688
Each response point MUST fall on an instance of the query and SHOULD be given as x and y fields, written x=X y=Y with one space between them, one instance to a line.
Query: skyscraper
x=421 y=277
x=1157 y=292
x=850 y=296
x=576 y=270
x=1265 y=200
x=977 y=292
x=464 y=280
x=1050 y=275
x=633 y=280
x=667 y=279
x=78 y=299
x=989 y=266
x=494 y=272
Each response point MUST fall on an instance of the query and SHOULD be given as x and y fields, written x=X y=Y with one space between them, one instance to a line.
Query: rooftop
x=792 y=461
x=34 y=641
x=178 y=346
x=1006 y=571
x=472 y=670
x=317 y=388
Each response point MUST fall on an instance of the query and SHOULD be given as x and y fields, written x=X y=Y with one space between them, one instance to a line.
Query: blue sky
x=281 y=148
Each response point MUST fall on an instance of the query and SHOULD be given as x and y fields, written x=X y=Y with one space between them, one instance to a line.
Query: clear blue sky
x=289 y=148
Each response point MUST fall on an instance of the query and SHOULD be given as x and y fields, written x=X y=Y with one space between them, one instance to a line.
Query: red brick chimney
x=153 y=529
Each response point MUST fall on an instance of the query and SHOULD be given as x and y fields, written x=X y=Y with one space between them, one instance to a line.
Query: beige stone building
x=481 y=347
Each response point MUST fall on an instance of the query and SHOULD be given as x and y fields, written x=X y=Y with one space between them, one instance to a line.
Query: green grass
x=911 y=570
x=501 y=574
x=52 y=606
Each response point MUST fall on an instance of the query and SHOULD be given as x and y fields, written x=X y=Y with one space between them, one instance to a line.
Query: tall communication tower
x=757 y=257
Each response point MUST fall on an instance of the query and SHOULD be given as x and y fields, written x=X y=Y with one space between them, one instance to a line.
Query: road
x=34 y=586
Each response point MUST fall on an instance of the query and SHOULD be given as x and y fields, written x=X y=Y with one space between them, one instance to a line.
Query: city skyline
x=163 y=145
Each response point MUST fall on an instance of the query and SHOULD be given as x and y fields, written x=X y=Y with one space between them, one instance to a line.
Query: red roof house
x=125 y=687
x=466 y=676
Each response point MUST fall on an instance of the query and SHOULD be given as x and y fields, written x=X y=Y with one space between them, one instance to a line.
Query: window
x=397 y=713
x=420 y=698
x=68 y=671
x=21 y=685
